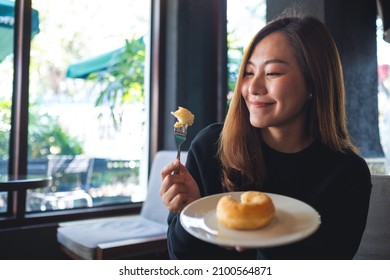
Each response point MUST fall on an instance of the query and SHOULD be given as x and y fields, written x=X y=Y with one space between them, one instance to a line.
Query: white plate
x=294 y=220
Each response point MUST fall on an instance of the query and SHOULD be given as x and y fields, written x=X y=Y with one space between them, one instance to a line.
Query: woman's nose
x=257 y=86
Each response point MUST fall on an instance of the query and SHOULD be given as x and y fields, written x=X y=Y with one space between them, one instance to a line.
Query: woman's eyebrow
x=279 y=61
x=270 y=61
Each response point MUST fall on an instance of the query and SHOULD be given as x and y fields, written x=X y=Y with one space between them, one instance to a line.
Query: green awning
x=104 y=62
x=7 y=20
x=98 y=63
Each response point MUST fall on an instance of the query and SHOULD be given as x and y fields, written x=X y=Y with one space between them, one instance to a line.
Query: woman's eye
x=248 y=73
x=271 y=74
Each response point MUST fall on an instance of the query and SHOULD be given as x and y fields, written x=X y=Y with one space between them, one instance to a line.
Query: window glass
x=244 y=19
x=6 y=76
x=87 y=113
x=383 y=97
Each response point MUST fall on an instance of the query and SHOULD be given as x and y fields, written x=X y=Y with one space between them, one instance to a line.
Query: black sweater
x=337 y=185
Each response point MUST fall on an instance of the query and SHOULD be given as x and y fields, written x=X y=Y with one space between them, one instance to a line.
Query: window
x=244 y=19
x=6 y=78
x=88 y=119
x=384 y=93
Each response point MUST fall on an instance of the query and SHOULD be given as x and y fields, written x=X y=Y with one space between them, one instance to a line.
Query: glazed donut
x=255 y=211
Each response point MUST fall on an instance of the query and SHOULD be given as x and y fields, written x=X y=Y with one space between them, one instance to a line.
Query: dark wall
x=36 y=243
x=190 y=54
x=194 y=65
x=355 y=31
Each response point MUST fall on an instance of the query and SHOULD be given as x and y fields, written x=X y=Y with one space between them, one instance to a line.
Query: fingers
x=177 y=190
x=173 y=191
x=237 y=248
x=174 y=196
x=168 y=169
x=172 y=183
x=240 y=249
x=177 y=203
x=168 y=178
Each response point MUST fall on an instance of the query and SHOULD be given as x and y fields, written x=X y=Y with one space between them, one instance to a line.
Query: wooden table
x=19 y=185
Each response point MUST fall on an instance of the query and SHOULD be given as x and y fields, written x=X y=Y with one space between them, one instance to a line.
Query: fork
x=180 y=134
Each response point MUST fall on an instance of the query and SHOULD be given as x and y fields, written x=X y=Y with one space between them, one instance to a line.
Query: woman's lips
x=261 y=104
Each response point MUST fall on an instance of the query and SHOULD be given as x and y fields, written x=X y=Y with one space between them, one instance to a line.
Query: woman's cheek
x=244 y=90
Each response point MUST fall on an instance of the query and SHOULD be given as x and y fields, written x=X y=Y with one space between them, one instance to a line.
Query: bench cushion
x=375 y=244
x=82 y=238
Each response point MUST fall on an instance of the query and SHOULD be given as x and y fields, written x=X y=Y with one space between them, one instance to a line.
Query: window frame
x=16 y=214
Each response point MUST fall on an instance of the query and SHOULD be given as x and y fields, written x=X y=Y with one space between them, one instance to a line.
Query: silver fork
x=180 y=133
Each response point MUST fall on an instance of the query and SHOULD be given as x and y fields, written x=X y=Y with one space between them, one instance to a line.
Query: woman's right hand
x=177 y=190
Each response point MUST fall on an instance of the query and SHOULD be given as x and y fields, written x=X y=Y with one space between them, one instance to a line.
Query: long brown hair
x=318 y=57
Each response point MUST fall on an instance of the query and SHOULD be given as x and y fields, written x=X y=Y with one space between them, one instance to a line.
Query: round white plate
x=294 y=220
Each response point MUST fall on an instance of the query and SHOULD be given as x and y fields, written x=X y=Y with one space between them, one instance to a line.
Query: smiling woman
x=66 y=127
x=281 y=137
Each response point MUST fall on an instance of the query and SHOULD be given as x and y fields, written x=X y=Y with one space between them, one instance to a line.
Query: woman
x=285 y=132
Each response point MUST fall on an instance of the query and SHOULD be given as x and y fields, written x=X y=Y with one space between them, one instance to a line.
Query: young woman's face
x=273 y=85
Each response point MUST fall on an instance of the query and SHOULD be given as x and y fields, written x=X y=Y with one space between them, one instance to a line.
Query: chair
x=375 y=243
x=124 y=236
x=75 y=169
